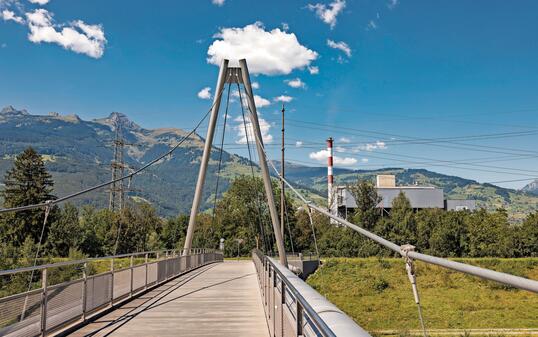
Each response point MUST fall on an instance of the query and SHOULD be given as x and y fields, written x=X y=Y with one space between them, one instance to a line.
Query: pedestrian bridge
x=172 y=294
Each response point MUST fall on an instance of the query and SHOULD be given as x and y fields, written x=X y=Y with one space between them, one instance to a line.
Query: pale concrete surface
x=217 y=300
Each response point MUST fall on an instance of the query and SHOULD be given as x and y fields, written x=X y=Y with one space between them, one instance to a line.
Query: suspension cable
x=257 y=201
x=130 y=175
x=515 y=281
x=213 y=218
x=46 y=217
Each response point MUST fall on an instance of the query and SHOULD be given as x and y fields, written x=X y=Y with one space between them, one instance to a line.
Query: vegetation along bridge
x=194 y=292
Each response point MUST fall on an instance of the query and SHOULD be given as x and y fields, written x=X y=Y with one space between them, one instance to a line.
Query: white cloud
x=322 y=155
x=255 y=85
x=258 y=100
x=295 y=83
x=218 y=2
x=283 y=98
x=285 y=26
x=267 y=52
x=299 y=143
x=265 y=127
x=328 y=13
x=314 y=70
x=344 y=140
x=205 y=93
x=261 y=102
x=8 y=15
x=77 y=36
x=372 y=25
x=378 y=145
x=364 y=160
x=392 y=4
x=40 y=2
x=340 y=46
x=340 y=149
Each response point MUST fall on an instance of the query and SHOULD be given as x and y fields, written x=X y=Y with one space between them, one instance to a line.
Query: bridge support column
x=263 y=163
x=205 y=157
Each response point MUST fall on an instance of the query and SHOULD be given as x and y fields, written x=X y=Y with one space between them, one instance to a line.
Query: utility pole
x=282 y=192
x=117 y=192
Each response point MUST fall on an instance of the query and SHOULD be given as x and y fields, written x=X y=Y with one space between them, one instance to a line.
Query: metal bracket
x=411 y=274
x=234 y=75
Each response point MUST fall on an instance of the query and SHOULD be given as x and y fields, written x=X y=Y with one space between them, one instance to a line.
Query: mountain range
x=79 y=153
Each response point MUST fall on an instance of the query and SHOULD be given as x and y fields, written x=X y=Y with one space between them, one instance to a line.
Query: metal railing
x=293 y=308
x=52 y=307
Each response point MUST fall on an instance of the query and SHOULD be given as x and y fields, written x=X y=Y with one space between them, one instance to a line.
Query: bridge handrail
x=172 y=252
x=327 y=318
x=60 y=304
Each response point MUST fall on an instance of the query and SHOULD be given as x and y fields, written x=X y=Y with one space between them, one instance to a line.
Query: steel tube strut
x=515 y=281
x=205 y=157
x=263 y=163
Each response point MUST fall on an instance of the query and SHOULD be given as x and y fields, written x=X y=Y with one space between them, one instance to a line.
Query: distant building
x=420 y=197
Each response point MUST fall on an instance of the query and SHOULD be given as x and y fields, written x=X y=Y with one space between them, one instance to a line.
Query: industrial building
x=420 y=197
x=342 y=202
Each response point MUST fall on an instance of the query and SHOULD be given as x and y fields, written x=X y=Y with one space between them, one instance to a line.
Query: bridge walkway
x=221 y=299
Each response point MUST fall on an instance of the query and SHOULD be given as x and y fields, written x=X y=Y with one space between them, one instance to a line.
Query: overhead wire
x=98 y=186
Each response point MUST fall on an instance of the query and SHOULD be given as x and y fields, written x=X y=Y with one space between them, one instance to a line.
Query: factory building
x=420 y=197
x=342 y=202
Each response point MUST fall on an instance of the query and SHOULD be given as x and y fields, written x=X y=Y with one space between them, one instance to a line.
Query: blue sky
x=449 y=86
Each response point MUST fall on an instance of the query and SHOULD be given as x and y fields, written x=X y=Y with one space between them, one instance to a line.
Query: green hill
x=377 y=294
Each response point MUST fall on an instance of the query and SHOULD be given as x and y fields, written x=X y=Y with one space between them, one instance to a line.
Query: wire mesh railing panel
x=98 y=291
x=64 y=303
x=122 y=283
x=22 y=313
x=278 y=312
x=289 y=323
x=152 y=273
x=139 y=277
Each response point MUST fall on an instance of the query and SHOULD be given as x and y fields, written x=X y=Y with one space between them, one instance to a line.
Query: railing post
x=44 y=302
x=282 y=305
x=299 y=318
x=111 y=282
x=166 y=265
x=146 y=264
x=132 y=275
x=84 y=289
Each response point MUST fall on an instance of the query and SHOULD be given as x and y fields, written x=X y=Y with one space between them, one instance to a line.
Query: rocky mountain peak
x=122 y=119
x=531 y=187
x=10 y=110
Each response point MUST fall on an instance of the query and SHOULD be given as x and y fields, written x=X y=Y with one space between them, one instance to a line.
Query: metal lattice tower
x=117 y=190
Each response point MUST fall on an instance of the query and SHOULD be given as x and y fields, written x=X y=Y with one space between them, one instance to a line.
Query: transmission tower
x=117 y=190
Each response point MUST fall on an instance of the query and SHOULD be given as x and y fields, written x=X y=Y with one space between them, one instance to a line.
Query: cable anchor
x=411 y=274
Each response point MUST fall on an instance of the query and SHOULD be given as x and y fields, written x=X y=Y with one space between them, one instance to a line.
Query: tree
x=65 y=233
x=26 y=183
x=526 y=237
x=367 y=214
x=402 y=220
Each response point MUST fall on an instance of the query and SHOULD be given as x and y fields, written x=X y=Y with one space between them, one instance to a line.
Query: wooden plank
x=218 y=300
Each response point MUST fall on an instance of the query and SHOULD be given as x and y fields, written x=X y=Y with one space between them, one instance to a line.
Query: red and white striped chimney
x=330 y=178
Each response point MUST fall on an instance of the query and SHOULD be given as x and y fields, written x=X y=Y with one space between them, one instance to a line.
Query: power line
x=128 y=176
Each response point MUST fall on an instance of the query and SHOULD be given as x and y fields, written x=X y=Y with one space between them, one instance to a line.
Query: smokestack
x=330 y=179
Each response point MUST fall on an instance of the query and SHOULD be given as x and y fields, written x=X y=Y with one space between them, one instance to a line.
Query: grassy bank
x=376 y=293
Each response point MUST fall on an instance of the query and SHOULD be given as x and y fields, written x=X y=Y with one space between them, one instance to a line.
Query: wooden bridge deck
x=216 y=300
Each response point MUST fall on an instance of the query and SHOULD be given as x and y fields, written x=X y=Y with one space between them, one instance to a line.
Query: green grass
x=376 y=293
